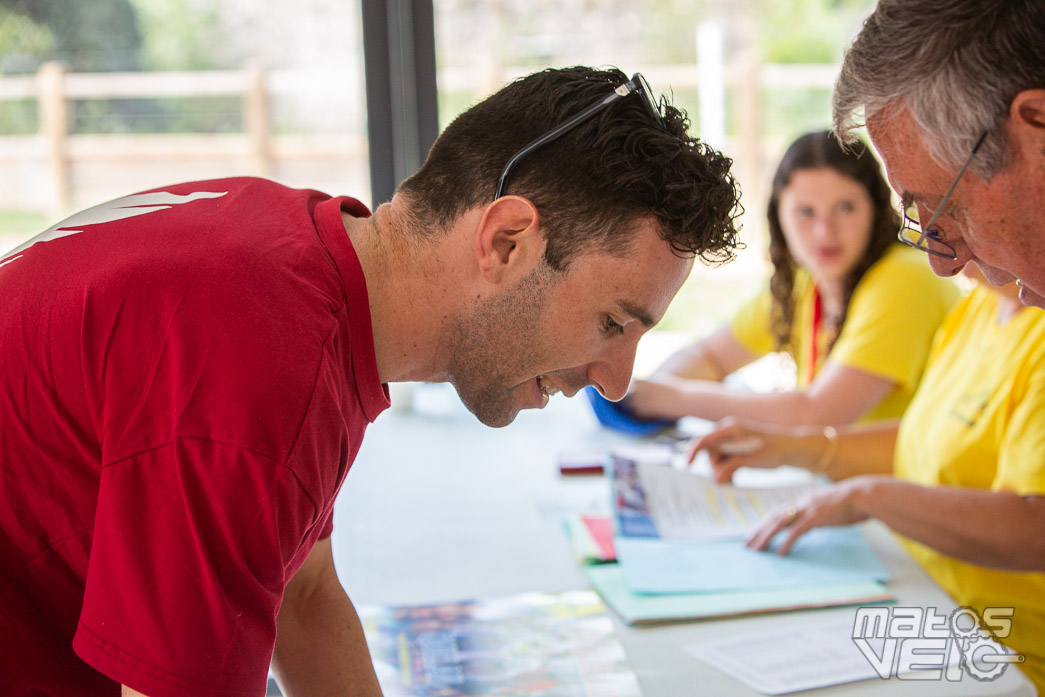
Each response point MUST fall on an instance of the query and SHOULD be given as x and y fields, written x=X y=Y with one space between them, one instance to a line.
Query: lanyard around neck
x=814 y=342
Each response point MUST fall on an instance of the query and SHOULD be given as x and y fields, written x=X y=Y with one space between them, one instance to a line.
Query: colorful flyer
x=560 y=645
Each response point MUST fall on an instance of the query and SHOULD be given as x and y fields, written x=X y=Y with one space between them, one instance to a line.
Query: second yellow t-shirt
x=892 y=317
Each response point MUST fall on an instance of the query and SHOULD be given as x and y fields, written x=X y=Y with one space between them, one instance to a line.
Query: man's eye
x=613 y=327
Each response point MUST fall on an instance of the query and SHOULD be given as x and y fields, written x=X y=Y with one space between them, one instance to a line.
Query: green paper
x=608 y=580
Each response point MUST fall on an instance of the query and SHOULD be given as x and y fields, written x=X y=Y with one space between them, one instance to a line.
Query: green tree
x=22 y=42
x=817 y=31
x=179 y=35
x=100 y=35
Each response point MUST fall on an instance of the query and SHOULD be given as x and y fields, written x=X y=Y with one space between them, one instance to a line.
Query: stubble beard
x=495 y=347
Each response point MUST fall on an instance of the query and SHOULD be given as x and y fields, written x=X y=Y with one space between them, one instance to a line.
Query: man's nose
x=944 y=267
x=612 y=374
x=950 y=267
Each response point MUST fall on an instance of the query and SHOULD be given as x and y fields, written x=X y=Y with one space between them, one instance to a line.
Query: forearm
x=712 y=358
x=712 y=401
x=839 y=395
x=320 y=647
x=997 y=529
x=692 y=363
x=855 y=450
x=860 y=450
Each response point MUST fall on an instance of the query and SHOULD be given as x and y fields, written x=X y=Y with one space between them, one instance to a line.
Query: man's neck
x=409 y=302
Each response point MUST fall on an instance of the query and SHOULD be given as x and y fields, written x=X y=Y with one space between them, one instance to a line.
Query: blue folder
x=822 y=556
x=615 y=417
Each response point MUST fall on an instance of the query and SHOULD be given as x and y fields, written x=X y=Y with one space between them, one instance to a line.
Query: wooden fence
x=54 y=170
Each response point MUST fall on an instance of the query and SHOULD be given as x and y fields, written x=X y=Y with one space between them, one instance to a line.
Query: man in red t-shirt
x=187 y=374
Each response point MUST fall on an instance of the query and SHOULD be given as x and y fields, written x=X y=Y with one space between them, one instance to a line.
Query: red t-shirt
x=185 y=378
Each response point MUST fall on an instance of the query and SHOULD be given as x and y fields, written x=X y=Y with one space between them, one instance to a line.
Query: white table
x=439 y=508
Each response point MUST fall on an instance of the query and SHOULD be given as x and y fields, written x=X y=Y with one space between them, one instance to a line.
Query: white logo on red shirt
x=118 y=209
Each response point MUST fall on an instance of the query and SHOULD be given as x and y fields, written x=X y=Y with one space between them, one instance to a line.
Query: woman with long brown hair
x=840 y=302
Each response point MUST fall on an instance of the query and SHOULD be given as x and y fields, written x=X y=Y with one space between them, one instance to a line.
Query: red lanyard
x=814 y=342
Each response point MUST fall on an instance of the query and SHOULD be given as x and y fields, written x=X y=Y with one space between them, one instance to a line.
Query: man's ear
x=508 y=241
x=1027 y=120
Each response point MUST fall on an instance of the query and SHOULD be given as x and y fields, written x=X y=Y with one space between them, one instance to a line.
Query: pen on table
x=741 y=446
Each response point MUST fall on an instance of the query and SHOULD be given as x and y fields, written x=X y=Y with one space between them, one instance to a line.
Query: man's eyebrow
x=637 y=312
x=909 y=197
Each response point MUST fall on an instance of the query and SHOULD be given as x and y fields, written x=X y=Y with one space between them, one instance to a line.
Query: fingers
x=775 y=522
x=722 y=465
x=723 y=468
x=828 y=506
x=725 y=430
x=795 y=520
x=694 y=447
x=741 y=446
x=800 y=526
x=729 y=447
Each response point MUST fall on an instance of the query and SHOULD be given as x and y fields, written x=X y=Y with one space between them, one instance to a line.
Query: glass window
x=103 y=98
x=752 y=74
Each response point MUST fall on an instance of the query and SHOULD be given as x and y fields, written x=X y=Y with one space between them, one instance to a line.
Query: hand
x=653 y=399
x=832 y=505
x=733 y=445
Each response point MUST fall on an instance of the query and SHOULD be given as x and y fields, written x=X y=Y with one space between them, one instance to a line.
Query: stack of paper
x=529 y=644
x=642 y=608
x=679 y=544
x=592 y=538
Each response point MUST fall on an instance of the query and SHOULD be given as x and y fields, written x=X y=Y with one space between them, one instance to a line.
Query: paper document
x=678 y=532
x=530 y=644
x=634 y=608
x=657 y=500
x=815 y=652
x=818 y=650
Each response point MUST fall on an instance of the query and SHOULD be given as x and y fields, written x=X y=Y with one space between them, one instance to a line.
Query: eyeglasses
x=637 y=84
x=914 y=235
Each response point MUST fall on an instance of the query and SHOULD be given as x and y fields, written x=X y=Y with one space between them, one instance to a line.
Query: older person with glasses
x=927 y=237
x=942 y=82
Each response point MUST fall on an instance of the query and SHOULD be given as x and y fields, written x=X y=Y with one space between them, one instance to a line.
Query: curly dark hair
x=592 y=184
x=817 y=151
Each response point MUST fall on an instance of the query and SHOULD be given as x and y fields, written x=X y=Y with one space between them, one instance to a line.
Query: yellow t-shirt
x=892 y=317
x=978 y=420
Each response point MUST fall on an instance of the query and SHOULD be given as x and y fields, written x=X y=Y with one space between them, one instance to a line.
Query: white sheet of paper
x=817 y=650
x=813 y=653
x=689 y=506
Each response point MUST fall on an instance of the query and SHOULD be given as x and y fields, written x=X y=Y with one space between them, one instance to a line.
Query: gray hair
x=956 y=65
